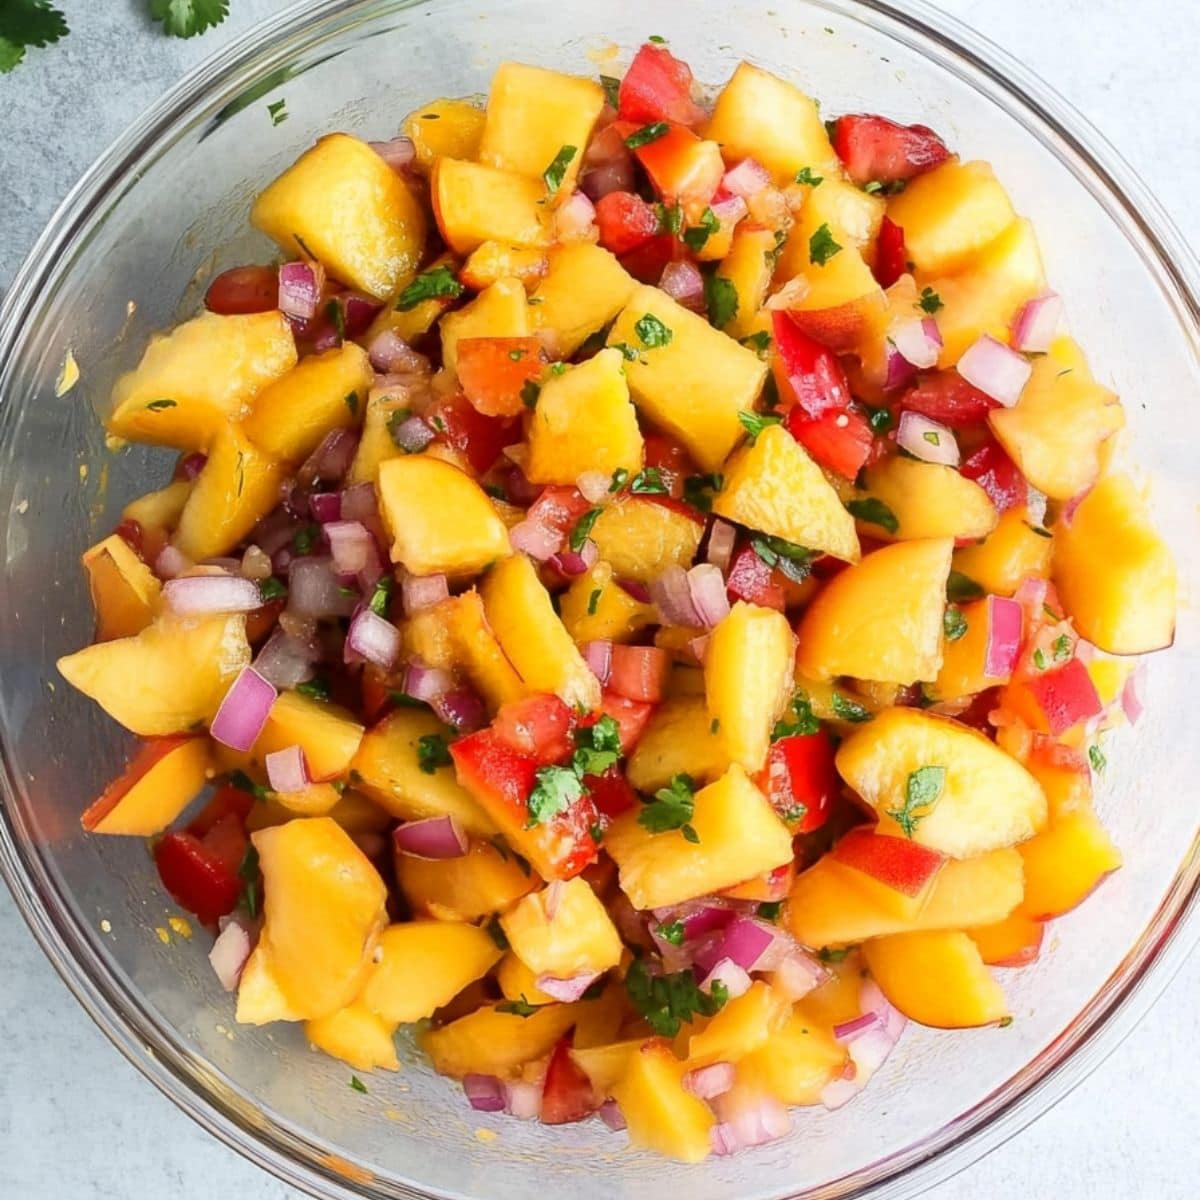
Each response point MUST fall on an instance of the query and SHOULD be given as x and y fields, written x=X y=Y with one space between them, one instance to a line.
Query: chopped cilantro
x=611 y=86
x=159 y=405
x=516 y=354
x=759 y=342
x=834 y=954
x=672 y=806
x=186 y=18
x=271 y=589
x=248 y=874
x=793 y=560
x=358 y=1085
x=695 y=236
x=620 y=477
x=336 y=315
x=720 y=300
x=770 y=910
x=805 y=175
x=873 y=512
x=921 y=792
x=243 y=782
x=593 y=602
x=494 y=930
x=1039 y=660
x=667 y=1001
x=518 y=1008
x=872 y=186
x=652 y=332
x=932 y=437
x=698 y=490
x=954 y=624
x=672 y=932
x=315 y=688
x=1096 y=758
x=798 y=721
x=432 y=752
x=881 y=420
x=381 y=597
x=846 y=709
x=648 y=482
x=647 y=134
x=278 y=112
x=530 y=391
x=583 y=528
x=930 y=301
x=670 y=220
x=1061 y=648
x=628 y=353
x=822 y=247
x=352 y=402
x=960 y=587
x=305 y=539
x=25 y=23
x=596 y=833
x=429 y=285
x=556 y=789
x=557 y=170
x=754 y=423
x=658 y=41
x=597 y=747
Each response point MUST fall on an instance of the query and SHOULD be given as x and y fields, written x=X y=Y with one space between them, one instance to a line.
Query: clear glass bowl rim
x=1113 y=1011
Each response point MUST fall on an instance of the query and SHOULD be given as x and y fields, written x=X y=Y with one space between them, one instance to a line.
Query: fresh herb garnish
x=628 y=353
x=381 y=596
x=430 y=285
x=770 y=910
x=648 y=482
x=1039 y=659
x=518 y=1008
x=805 y=175
x=720 y=300
x=672 y=808
x=695 y=236
x=555 y=790
x=672 y=932
x=698 y=490
x=960 y=587
x=834 y=954
x=954 y=624
x=243 y=782
x=793 y=560
x=670 y=220
x=159 y=405
x=557 y=170
x=881 y=420
x=335 y=314
x=25 y=23
x=248 y=874
x=315 y=688
x=873 y=512
x=921 y=792
x=612 y=86
x=658 y=41
x=278 y=112
x=352 y=403
x=798 y=721
x=305 y=539
x=754 y=423
x=930 y=301
x=1096 y=758
x=846 y=709
x=822 y=247
x=582 y=529
x=667 y=1001
x=1061 y=647
x=433 y=752
x=652 y=332
x=620 y=477
x=271 y=589
x=647 y=134
x=530 y=391
x=932 y=437
x=186 y=18
x=597 y=747
x=593 y=602
x=759 y=341
x=358 y=1085
x=495 y=931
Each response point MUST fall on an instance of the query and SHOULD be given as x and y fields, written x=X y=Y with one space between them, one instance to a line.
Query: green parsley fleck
x=530 y=391
x=846 y=709
x=516 y=354
x=671 y=808
x=921 y=792
x=822 y=247
x=960 y=587
x=1061 y=648
x=754 y=423
x=248 y=874
x=593 y=601
x=672 y=932
x=954 y=624
x=932 y=437
x=597 y=747
x=358 y=1085
x=834 y=954
x=628 y=353
x=1096 y=758
x=798 y=721
x=647 y=134
x=432 y=752
x=335 y=314
x=670 y=220
x=652 y=332
x=272 y=589
x=611 y=85
x=352 y=403
x=558 y=368
x=557 y=170
x=695 y=236
x=518 y=1008
x=648 y=482
x=667 y=1001
x=315 y=688
x=430 y=285
x=620 y=477
x=495 y=931
x=805 y=175
x=159 y=405
x=930 y=301
x=1039 y=660
x=698 y=490
x=583 y=528
x=243 y=782
x=881 y=420
x=278 y=112
x=759 y=341
x=873 y=512
x=793 y=560
x=305 y=539
x=720 y=300
x=381 y=596
x=770 y=910
x=555 y=790
x=658 y=41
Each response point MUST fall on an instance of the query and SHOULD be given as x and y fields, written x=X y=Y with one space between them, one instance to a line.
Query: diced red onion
x=744 y=942
x=598 y=656
x=300 y=287
x=995 y=369
x=171 y=562
x=721 y=539
x=434 y=838
x=747 y=179
x=243 y=711
x=539 y=541
x=212 y=594
x=377 y=640
x=748 y=1121
x=553 y=898
x=229 y=954
x=673 y=597
x=358 y=311
x=1131 y=694
x=193 y=464
x=566 y=990
x=423 y=591
x=927 y=440
x=520 y=491
x=797 y=975
x=255 y=564
x=736 y=980
x=573 y=563
x=593 y=486
x=397 y=152
x=706 y=587
x=314 y=590
x=710 y=1081
x=574 y=217
x=285 y=661
x=426 y=683
x=868 y=1039
x=485 y=1093
x=683 y=282
x=412 y=435
x=1036 y=325
x=391 y=354
x=724 y=1140
x=729 y=211
x=1004 y=637
x=523 y=1100
x=610 y=1113
x=919 y=341
x=350 y=543
x=899 y=371
x=613 y=176
x=461 y=709
x=635 y=588
x=286 y=769
x=325 y=506
x=331 y=459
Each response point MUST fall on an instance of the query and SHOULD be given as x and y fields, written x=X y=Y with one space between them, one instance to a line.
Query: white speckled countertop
x=78 y=1122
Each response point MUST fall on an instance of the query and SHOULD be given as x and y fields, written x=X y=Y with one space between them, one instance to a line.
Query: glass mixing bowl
x=130 y=251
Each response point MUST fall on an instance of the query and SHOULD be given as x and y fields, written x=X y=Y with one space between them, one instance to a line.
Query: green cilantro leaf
x=557 y=170
x=556 y=789
x=921 y=792
x=720 y=300
x=672 y=932
x=960 y=587
x=1061 y=648
x=793 y=560
x=243 y=782
x=805 y=175
x=652 y=332
x=667 y=1001
x=272 y=589
x=278 y=112
x=873 y=512
x=1096 y=758
x=518 y=1008
x=495 y=931
x=834 y=954
x=594 y=601
x=648 y=482
x=759 y=341
x=381 y=597
x=672 y=806
x=695 y=236
x=430 y=285
x=314 y=689
x=754 y=423
x=611 y=85
x=336 y=315
x=954 y=624
x=305 y=539
x=25 y=23
x=647 y=134
x=770 y=910
x=620 y=477
x=583 y=528
x=248 y=874
x=930 y=301
x=352 y=403
x=822 y=247
x=628 y=353
x=658 y=41
x=1039 y=660
x=698 y=490
x=798 y=721
x=530 y=391
x=432 y=752
x=597 y=747
x=846 y=709
x=881 y=420
x=186 y=18
x=670 y=220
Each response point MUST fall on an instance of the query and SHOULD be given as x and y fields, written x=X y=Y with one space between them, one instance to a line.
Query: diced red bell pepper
x=639 y=672
x=998 y=475
x=130 y=531
x=891 y=255
x=841 y=441
x=558 y=508
x=225 y=801
x=198 y=876
x=647 y=262
x=657 y=87
x=631 y=716
x=800 y=780
x=501 y=780
x=494 y=371
x=538 y=725
x=947 y=397
x=682 y=167
x=807 y=373
x=665 y=455
x=243 y=290
x=567 y=1092
x=611 y=792
x=750 y=579
x=625 y=222
x=1066 y=696
x=874 y=149
x=478 y=438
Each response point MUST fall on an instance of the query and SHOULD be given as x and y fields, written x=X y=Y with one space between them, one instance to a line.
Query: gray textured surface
x=77 y=1121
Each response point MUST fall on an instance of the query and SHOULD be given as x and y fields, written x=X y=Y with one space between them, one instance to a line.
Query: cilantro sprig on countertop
x=186 y=18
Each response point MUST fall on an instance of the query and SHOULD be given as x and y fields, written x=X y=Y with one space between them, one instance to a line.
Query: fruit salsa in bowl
x=632 y=635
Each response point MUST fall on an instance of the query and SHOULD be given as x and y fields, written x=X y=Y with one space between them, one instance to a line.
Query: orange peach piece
x=163 y=778
x=481 y=882
x=928 y=500
x=897 y=873
x=661 y=1114
x=474 y=204
x=444 y=129
x=797 y=1062
x=125 y=592
x=356 y=1036
x=327 y=733
x=1064 y=864
x=640 y=537
x=1010 y=553
x=491 y=1042
x=1013 y=942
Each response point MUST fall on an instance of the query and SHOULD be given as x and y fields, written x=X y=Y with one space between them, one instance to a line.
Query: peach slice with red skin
x=898 y=873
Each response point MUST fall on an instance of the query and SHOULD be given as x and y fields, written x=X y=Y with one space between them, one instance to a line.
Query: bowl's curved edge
x=1151 y=964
